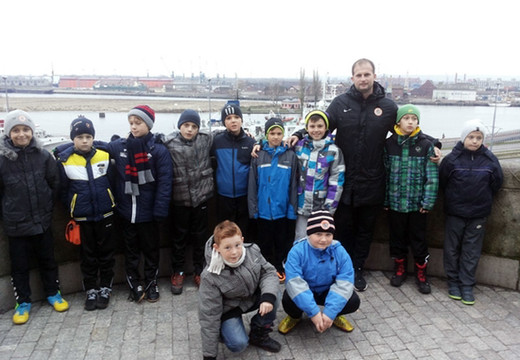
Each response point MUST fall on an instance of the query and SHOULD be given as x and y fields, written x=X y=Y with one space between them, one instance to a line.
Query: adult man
x=362 y=117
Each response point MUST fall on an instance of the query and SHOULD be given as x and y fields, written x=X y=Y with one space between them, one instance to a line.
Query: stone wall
x=499 y=265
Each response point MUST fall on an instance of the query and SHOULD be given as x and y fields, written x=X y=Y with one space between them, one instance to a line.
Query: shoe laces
x=105 y=292
x=421 y=274
x=22 y=308
x=56 y=298
x=400 y=267
x=91 y=294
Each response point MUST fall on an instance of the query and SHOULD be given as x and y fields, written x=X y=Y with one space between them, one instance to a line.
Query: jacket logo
x=101 y=168
x=418 y=149
x=378 y=111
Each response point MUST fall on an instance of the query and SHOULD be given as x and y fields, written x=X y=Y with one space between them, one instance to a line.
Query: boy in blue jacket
x=319 y=272
x=272 y=195
x=143 y=189
x=470 y=176
x=85 y=190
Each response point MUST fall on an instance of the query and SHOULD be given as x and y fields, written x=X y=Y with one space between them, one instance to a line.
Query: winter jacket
x=28 y=182
x=192 y=172
x=312 y=271
x=84 y=183
x=154 y=199
x=272 y=189
x=412 y=180
x=322 y=175
x=469 y=180
x=233 y=154
x=233 y=292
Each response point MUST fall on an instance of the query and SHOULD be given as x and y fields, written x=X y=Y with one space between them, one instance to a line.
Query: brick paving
x=392 y=323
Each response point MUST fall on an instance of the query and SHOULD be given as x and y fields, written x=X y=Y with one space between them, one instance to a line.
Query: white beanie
x=17 y=117
x=473 y=125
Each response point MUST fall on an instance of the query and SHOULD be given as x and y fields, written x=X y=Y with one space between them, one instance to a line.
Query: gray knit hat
x=144 y=112
x=17 y=117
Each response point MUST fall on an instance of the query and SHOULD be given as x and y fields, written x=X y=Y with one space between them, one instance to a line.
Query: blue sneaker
x=58 y=302
x=21 y=313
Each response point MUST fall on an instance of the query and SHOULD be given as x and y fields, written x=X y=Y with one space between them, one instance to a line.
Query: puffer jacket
x=321 y=176
x=192 y=172
x=28 y=182
x=272 y=189
x=154 y=199
x=233 y=292
x=310 y=271
x=361 y=128
x=469 y=180
x=84 y=183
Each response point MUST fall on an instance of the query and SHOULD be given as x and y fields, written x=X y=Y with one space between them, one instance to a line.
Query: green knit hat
x=408 y=109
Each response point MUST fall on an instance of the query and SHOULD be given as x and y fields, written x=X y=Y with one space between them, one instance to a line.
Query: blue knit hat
x=189 y=116
x=81 y=125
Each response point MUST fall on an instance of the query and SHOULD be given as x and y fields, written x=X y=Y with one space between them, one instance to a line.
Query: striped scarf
x=137 y=171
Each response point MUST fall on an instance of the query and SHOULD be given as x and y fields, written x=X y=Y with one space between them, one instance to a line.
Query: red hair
x=225 y=229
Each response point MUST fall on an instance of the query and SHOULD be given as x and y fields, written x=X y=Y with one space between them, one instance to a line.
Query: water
x=437 y=121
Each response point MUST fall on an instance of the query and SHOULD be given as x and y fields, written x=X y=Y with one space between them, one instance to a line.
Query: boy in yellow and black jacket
x=85 y=189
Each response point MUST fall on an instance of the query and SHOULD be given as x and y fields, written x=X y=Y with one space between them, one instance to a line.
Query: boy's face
x=321 y=240
x=21 y=135
x=275 y=137
x=316 y=129
x=408 y=124
x=83 y=142
x=231 y=248
x=189 y=130
x=138 y=127
x=474 y=140
x=233 y=123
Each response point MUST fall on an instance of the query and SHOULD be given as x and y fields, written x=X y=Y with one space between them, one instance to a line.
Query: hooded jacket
x=233 y=292
x=28 y=181
x=469 y=180
x=192 y=172
x=272 y=189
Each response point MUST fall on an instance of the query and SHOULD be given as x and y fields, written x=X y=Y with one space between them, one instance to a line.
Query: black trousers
x=355 y=230
x=275 y=238
x=20 y=250
x=408 y=230
x=141 y=238
x=189 y=226
x=236 y=210
x=97 y=253
x=295 y=312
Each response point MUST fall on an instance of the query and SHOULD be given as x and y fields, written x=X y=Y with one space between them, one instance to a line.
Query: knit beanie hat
x=81 y=125
x=189 y=116
x=144 y=112
x=320 y=221
x=408 y=109
x=230 y=109
x=17 y=117
x=319 y=113
x=470 y=126
x=272 y=123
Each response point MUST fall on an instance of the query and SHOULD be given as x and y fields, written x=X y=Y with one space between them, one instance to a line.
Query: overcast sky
x=264 y=38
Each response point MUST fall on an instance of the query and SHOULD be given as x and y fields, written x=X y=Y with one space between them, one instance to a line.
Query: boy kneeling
x=319 y=271
x=237 y=280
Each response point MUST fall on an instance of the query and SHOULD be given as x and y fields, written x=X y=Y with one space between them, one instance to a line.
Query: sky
x=260 y=39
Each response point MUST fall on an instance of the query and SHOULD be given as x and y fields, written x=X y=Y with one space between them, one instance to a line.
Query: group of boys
x=293 y=194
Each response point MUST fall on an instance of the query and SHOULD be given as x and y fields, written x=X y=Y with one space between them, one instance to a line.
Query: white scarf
x=218 y=263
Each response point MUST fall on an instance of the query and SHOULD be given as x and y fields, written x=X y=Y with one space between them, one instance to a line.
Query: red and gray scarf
x=137 y=170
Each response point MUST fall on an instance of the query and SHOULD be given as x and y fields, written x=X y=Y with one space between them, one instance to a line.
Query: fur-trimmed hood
x=9 y=151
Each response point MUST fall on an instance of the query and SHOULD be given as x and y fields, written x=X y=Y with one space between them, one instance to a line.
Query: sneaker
x=287 y=324
x=467 y=296
x=152 y=293
x=342 y=323
x=136 y=294
x=21 y=313
x=90 y=302
x=359 y=281
x=400 y=272
x=281 y=276
x=421 y=280
x=58 y=302
x=103 y=298
x=177 y=280
x=454 y=292
x=196 y=280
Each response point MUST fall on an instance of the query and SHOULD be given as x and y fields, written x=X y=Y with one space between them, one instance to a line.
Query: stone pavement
x=392 y=323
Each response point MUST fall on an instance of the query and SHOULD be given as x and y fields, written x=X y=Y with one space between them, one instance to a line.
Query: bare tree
x=301 y=91
x=315 y=87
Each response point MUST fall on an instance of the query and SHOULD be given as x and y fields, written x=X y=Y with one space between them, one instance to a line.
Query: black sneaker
x=103 y=297
x=90 y=302
x=152 y=294
x=359 y=281
x=136 y=294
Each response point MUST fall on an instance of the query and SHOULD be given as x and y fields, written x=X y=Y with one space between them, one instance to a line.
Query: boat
x=272 y=114
x=49 y=142
x=500 y=104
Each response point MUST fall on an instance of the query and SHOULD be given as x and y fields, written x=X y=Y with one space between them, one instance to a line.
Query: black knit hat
x=189 y=116
x=230 y=109
x=81 y=125
x=273 y=122
x=320 y=221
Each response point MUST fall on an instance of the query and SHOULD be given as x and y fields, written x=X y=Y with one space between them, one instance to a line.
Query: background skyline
x=265 y=39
